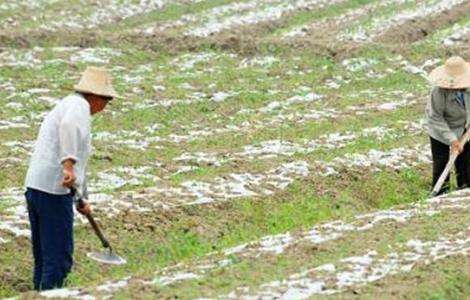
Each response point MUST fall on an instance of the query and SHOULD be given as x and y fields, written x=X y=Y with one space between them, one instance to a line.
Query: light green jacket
x=446 y=117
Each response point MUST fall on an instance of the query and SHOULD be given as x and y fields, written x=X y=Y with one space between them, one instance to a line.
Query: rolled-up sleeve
x=436 y=121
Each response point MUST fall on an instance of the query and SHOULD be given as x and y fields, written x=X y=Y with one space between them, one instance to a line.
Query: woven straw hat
x=454 y=74
x=96 y=81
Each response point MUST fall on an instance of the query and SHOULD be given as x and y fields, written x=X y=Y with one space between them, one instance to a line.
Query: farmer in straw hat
x=448 y=117
x=58 y=163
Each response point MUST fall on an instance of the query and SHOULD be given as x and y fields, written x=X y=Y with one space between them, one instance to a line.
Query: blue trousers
x=51 y=219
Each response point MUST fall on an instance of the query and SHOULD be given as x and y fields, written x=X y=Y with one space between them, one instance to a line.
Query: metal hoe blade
x=107 y=257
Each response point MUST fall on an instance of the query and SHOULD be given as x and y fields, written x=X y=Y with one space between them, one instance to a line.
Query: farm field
x=264 y=149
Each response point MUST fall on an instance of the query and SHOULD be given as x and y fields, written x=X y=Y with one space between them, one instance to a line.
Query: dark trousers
x=51 y=219
x=440 y=157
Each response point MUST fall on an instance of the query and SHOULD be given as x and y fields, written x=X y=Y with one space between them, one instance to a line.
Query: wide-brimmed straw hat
x=96 y=81
x=454 y=74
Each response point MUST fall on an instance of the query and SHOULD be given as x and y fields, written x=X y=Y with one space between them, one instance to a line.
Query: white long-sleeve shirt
x=64 y=134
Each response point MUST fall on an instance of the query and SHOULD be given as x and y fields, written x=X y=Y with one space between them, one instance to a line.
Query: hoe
x=108 y=256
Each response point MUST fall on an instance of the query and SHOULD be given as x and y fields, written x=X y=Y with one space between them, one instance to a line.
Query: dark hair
x=106 y=98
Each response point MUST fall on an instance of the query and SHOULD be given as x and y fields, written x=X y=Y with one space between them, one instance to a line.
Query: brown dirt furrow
x=194 y=218
x=417 y=29
x=243 y=39
x=248 y=40
x=397 y=39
